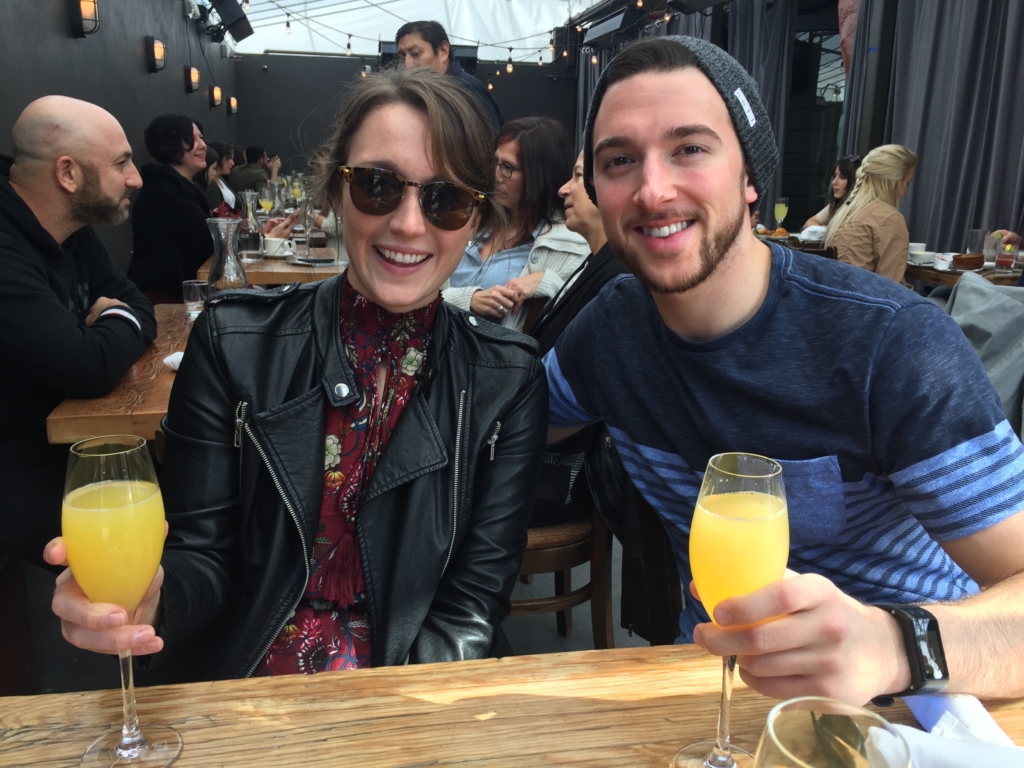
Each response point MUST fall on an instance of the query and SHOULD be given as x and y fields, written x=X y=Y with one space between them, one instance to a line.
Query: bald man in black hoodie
x=71 y=323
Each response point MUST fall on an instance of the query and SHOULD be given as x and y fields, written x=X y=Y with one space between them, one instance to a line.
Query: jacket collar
x=21 y=218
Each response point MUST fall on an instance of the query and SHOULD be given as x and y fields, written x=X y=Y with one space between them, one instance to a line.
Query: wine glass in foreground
x=781 y=209
x=812 y=731
x=739 y=543
x=113 y=527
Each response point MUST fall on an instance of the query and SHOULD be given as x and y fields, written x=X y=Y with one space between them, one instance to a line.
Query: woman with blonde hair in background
x=868 y=231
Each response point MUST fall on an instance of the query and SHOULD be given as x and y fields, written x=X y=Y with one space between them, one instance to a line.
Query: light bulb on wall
x=85 y=17
x=156 y=54
x=191 y=79
x=216 y=96
x=232 y=105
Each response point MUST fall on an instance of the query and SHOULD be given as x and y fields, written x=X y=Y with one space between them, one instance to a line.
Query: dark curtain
x=855 y=83
x=761 y=35
x=586 y=83
x=957 y=100
x=690 y=24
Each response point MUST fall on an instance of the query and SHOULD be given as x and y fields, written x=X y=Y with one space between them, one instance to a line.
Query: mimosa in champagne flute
x=739 y=543
x=113 y=528
x=781 y=209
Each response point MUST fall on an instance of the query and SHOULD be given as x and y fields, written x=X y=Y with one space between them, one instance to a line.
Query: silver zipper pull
x=239 y=425
x=493 y=440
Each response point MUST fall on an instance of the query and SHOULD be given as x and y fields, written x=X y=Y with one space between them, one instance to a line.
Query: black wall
x=532 y=91
x=38 y=56
x=287 y=103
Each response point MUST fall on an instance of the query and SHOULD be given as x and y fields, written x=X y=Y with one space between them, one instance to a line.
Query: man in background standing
x=425 y=44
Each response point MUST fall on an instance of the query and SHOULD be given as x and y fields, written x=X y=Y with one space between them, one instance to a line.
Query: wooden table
x=934 y=276
x=624 y=707
x=139 y=401
x=279 y=271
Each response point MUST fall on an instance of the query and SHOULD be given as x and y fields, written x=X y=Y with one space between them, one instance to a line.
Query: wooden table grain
x=934 y=276
x=623 y=707
x=139 y=401
x=280 y=271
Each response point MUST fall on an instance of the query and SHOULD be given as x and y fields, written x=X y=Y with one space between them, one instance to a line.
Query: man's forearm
x=983 y=637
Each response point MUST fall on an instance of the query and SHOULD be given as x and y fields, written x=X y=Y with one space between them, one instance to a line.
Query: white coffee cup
x=917 y=247
x=278 y=247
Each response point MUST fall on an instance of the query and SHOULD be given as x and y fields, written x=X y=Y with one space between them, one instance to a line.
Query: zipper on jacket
x=455 y=477
x=493 y=439
x=240 y=426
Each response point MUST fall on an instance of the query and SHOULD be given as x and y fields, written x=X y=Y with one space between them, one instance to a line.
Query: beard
x=90 y=206
x=714 y=247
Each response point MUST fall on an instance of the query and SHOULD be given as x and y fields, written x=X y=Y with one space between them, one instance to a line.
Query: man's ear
x=444 y=50
x=750 y=192
x=67 y=174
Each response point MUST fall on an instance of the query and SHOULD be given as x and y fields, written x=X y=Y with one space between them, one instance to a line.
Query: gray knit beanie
x=741 y=96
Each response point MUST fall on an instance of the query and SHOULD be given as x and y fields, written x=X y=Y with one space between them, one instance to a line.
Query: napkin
x=813 y=234
x=173 y=360
x=962 y=735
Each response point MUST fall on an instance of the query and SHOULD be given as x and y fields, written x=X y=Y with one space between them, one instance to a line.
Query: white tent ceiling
x=323 y=26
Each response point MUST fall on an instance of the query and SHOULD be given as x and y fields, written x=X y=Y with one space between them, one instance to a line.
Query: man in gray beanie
x=904 y=479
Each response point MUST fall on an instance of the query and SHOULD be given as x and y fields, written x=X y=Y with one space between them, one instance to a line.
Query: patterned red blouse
x=329 y=629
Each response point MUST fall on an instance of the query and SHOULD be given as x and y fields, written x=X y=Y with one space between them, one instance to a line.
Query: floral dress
x=329 y=629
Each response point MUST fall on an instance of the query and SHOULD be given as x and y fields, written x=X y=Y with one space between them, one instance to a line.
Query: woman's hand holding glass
x=103 y=627
x=494 y=302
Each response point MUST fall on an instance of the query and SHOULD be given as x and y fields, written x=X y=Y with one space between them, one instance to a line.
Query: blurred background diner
x=218 y=97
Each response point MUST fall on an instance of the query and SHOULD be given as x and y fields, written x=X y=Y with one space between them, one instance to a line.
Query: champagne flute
x=266 y=200
x=739 y=543
x=113 y=527
x=812 y=731
x=781 y=209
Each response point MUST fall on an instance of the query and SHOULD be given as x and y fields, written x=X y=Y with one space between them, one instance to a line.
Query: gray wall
x=38 y=56
x=287 y=103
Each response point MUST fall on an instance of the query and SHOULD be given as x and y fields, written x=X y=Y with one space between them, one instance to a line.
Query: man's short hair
x=254 y=154
x=168 y=137
x=431 y=32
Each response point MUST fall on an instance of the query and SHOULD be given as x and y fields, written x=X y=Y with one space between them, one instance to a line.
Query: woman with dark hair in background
x=169 y=233
x=535 y=254
x=217 y=170
x=349 y=464
x=844 y=176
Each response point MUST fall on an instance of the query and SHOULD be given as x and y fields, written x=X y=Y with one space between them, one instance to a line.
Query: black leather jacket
x=441 y=526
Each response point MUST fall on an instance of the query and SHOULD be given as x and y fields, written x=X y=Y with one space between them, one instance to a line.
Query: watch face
x=929 y=643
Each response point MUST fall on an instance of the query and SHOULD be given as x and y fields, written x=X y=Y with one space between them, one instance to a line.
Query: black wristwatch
x=925 y=655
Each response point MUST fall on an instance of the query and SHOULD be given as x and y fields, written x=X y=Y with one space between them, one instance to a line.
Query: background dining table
x=138 y=402
x=934 y=276
x=282 y=271
x=623 y=707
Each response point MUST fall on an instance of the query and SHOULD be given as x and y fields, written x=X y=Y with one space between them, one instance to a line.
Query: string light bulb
x=508 y=67
x=579 y=28
x=348 y=46
x=288 y=25
x=497 y=73
x=565 y=53
x=639 y=3
x=668 y=17
x=593 y=59
x=490 y=86
x=245 y=5
x=363 y=74
x=551 y=44
x=540 y=61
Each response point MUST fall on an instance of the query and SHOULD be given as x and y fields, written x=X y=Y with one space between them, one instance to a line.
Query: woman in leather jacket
x=350 y=464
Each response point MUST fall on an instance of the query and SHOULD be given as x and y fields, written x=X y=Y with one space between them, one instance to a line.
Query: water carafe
x=250 y=241
x=227 y=270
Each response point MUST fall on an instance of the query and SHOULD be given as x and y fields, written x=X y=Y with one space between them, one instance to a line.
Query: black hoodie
x=47 y=353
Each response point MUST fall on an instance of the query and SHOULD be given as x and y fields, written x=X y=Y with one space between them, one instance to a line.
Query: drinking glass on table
x=814 y=732
x=194 y=293
x=267 y=200
x=781 y=209
x=113 y=526
x=739 y=543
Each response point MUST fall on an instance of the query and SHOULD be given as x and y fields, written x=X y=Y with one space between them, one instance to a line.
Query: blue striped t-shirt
x=890 y=435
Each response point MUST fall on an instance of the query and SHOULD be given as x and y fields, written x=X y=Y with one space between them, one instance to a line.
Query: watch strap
x=926 y=657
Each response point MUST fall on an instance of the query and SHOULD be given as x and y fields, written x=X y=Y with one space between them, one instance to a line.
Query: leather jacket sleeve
x=473 y=596
x=199 y=483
